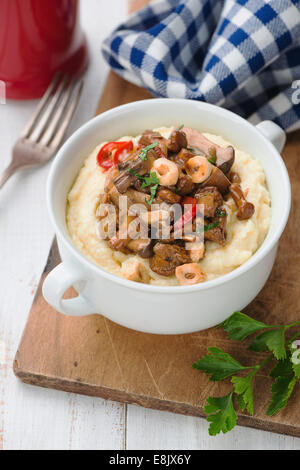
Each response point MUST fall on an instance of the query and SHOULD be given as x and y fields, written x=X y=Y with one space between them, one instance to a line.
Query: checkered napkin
x=243 y=55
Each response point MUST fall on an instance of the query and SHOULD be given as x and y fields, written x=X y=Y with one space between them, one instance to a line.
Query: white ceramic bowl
x=155 y=309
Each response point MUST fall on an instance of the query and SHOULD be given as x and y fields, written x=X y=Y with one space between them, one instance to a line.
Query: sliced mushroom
x=110 y=176
x=122 y=238
x=126 y=177
x=219 y=180
x=167 y=258
x=224 y=156
x=177 y=141
x=137 y=197
x=210 y=198
x=123 y=181
x=114 y=196
x=142 y=247
x=245 y=209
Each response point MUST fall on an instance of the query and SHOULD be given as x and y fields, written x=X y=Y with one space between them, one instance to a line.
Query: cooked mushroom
x=224 y=156
x=182 y=157
x=218 y=179
x=215 y=229
x=143 y=247
x=114 y=196
x=133 y=197
x=210 y=198
x=167 y=258
x=122 y=238
x=154 y=216
x=137 y=197
x=127 y=169
x=185 y=185
x=118 y=244
x=189 y=274
x=234 y=177
x=123 y=181
x=110 y=176
x=245 y=209
x=138 y=185
x=167 y=195
x=177 y=141
x=150 y=137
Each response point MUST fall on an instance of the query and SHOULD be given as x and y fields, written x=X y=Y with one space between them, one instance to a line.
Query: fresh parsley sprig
x=144 y=151
x=219 y=365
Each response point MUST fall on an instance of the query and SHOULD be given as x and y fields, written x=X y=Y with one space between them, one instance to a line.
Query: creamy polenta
x=244 y=237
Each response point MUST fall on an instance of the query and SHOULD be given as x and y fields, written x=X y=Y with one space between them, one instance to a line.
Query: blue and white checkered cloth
x=243 y=55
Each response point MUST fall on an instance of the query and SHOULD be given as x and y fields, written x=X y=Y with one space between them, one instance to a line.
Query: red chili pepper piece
x=127 y=146
x=105 y=157
x=189 y=215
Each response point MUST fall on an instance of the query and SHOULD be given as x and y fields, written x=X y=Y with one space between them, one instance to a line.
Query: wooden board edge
x=105 y=393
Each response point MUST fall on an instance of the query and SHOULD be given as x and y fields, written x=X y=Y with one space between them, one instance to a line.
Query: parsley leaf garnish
x=219 y=365
x=180 y=127
x=243 y=389
x=221 y=414
x=151 y=180
x=144 y=151
x=272 y=340
x=281 y=390
x=239 y=326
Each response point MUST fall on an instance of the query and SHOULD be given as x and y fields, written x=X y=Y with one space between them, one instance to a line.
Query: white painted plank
x=150 y=429
x=33 y=418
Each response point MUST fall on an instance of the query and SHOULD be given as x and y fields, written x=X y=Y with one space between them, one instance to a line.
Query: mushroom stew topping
x=186 y=171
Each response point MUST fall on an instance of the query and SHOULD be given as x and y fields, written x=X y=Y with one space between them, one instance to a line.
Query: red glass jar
x=38 y=38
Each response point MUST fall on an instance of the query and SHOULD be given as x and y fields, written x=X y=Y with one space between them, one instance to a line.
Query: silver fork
x=44 y=133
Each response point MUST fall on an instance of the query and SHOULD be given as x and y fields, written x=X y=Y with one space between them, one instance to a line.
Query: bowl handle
x=55 y=285
x=273 y=133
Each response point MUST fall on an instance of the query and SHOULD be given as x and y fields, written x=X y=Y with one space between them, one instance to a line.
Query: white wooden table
x=33 y=418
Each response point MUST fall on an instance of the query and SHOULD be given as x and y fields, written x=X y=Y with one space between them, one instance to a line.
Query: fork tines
x=48 y=126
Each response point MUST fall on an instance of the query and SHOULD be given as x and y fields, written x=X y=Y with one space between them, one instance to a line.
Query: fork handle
x=10 y=170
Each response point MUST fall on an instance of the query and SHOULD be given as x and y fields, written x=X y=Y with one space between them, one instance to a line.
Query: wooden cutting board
x=93 y=356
